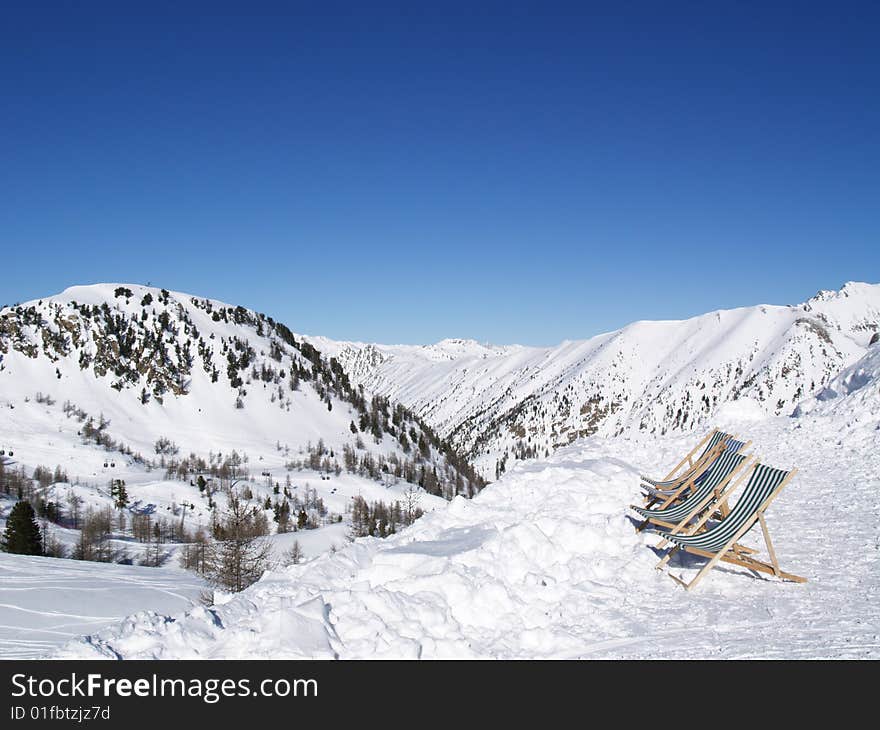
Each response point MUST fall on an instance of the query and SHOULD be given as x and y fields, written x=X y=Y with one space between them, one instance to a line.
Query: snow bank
x=486 y=572
x=546 y=563
x=739 y=411
x=855 y=390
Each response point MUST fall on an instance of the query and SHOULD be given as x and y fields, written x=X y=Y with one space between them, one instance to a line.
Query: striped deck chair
x=719 y=543
x=690 y=462
x=711 y=439
x=675 y=488
x=706 y=490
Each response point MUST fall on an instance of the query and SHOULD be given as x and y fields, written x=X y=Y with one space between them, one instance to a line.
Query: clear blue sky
x=508 y=172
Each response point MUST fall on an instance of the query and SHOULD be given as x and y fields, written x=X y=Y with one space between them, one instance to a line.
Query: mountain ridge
x=495 y=404
x=156 y=361
x=615 y=381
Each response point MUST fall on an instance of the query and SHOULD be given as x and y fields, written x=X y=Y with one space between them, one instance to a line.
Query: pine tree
x=22 y=535
x=239 y=555
x=119 y=493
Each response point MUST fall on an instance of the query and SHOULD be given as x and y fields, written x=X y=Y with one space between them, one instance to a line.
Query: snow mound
x=483 y=577
x=739 y=411
x=545 y=563
x=854 y=391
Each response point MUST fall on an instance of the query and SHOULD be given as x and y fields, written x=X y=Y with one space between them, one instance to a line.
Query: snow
x=546 y=563
x=204 y=422
x=650 y=375
x=543 y=563
x=853 y=390
x=44 y=602
x=738 y=411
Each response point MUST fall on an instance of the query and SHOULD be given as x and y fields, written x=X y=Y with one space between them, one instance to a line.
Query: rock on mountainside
x=498 y=404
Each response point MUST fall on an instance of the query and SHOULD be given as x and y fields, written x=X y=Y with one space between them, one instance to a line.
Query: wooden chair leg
x=769 y=543
x=668 y=556
x=706 y=568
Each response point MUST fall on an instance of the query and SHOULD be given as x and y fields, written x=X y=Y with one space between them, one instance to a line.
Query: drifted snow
x=853 y=390
x=739 y=411
x=546 y=563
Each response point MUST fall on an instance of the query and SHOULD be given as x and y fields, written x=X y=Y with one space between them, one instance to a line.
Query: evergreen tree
x=22 y=535
x=119 y=493
x=239 y=555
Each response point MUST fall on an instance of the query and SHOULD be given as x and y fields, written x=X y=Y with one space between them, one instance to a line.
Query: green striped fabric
x=733 y=445
x=714 y=441
x=717 y=473
x=761 y=484
x=671 y=485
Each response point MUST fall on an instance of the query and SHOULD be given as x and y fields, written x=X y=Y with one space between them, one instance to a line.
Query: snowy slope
x=546 y=563
x=207 y=375
x=854 y=390
x=91 y=380
x=498 y=403
x=45 y=602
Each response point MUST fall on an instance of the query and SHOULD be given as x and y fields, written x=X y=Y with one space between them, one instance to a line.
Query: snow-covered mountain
x=543 y=563
x=155 y=366
x=496 y=404
x=178 y=400
x=853 y=390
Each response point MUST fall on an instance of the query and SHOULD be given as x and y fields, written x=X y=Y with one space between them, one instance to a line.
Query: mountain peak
x=849 y=289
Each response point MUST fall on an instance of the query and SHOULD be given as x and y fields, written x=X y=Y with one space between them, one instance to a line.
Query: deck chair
x=719 y=543
x=691 y=462
x=709 y=490
x=710 y=440
x=680 y=487
x=666 y=497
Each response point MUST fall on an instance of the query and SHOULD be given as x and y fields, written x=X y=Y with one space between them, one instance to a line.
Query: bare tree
x=74 y=504
x=195 y=555
x=411 y=510
x=295 y=555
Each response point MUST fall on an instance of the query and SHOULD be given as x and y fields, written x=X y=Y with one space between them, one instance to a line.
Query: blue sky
x=508 y=172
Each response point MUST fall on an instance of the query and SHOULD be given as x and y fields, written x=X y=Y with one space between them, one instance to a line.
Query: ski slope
x=545 y=563
x=45 y=602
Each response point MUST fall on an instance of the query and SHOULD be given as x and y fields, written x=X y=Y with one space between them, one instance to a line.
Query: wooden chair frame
x=701 y=466
x=689 y=458
x=732 y=552
x=715 y=495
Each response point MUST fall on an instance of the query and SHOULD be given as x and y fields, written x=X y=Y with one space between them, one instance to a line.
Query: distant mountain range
x=496 y=404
